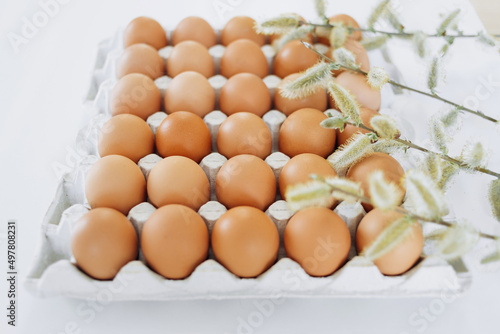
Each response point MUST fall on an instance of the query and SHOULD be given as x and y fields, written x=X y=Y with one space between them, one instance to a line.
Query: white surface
x=42 y=87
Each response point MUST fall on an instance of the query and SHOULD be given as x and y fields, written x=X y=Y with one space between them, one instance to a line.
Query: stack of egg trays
x=53 y=272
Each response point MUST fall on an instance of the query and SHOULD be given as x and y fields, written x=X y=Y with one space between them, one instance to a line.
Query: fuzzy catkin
x=277 y=25
x=307 y=83
x=291 y=35
x=378 y=11
x=384 y=126
x=371 y=43
x=349 y=191
x=494 y=197
x=377 y=77
x=345 y=101
x=384 y=195
x=311 y=193
x=338 y=35
x=355 y=149
x=392 y=235
x=425 y=197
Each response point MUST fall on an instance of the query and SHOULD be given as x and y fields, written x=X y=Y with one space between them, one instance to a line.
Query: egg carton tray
x=54 y=273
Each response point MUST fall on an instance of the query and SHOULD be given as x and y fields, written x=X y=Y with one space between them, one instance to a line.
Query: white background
x=41 y=89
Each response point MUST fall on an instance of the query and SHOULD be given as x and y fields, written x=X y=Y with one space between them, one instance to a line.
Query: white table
x=41 y=91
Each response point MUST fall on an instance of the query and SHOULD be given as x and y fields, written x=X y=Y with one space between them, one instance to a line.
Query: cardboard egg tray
x=54 y=273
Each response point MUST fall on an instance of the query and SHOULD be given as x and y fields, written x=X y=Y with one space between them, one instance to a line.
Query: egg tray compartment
x=53 y=271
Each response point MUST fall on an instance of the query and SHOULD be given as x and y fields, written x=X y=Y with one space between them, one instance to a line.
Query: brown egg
x=299 y=169
x=292 y=58
x=359 y=52
x=241 y=27
x=348 y=21
x=102 y=241
x=190 y=91
x=362 y=170
x=318 y=239
x=174 y=241
x=357 y=84
x=135 y=94
x=245 y=241
x=241 y=56
x=301 y=133
x=193 y=28
x=244 y=133
x=245 y=92
x=245 y=180
x=318 y=100
x=350 y=130
x=178 y=180
x=126 y=135
x=140 y=58
x=184 y=133
x=190 y=56
x=400 y=258
x=145 y=30
x=115 y=182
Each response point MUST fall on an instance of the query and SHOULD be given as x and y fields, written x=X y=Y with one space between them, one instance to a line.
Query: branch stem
x=404 y=211
x=390 y=33
x=394 y=83
x=408 y=143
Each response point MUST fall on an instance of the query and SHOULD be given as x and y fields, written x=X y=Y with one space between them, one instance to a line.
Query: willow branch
x=408 y=143
x=401 y=210
x=394 y=83
x=390 y=33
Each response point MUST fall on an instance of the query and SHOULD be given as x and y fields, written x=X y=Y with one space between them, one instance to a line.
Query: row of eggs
x=193 y=36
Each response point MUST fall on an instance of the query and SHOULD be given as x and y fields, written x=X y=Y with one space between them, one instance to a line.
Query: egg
x=126 y=135
x=404 y=255
x=241 y=56
x=317 y=100
x=184 y=133
x=292 y=58
x=347 y=21
x=359 y=52
x=241 y=27
x=317 y=239
x=178 y=180
x=102 y=241
x=140 y=58
x=115 y=182
x=245 y=241
x=245 y=92
x=245 y=180
x=301 y=132
x=174 y=241
x=135 y=94
x=190 y=91
x=145 y=30
x=190 y=56
x=299 y=169
x=244 y=133
x=357 y=84
x=193 y=28
x=349 y=130
x=390 y=167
